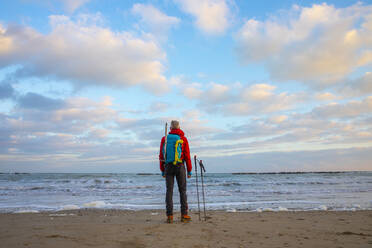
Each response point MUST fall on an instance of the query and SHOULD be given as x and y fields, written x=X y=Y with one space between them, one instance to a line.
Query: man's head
x=175 y=124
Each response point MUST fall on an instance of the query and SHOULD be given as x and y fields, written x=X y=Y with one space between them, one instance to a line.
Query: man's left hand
x=189 y=174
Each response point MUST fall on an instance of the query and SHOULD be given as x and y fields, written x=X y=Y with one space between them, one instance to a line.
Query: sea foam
x=95 y=204
x=231 y=210
x=26 y=211
x=323 y=207
x=69 y=207
x=259 y=210
x=268 y=210
x=282 y=209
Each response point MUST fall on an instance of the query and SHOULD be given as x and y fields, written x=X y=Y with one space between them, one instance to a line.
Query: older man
x=177 y=153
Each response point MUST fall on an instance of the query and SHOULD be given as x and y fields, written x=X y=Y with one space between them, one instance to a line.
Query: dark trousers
x=179 y=172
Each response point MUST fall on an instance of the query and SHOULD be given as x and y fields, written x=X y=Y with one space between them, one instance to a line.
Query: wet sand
x=116 y=228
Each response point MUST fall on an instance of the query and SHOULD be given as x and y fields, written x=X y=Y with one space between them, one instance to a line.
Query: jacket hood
x=178 y=132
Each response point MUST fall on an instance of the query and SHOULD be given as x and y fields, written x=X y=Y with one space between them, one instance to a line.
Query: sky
x=258 y=86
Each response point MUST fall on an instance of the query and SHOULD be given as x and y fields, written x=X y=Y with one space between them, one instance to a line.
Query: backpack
x=174 y=149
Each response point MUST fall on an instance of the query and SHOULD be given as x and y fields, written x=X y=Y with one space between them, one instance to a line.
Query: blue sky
x=87 y=85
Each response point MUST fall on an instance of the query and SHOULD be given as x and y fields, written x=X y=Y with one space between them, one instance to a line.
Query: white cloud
x=197 y=129
x=158 y=107
x=72 y=116
x=324 y=127
x=98 y=133
x=72 y=5
x=268 y=104
x=5 y=42
x=192 y=92
x=326 y=96
x=318 y=45
x=216 y=93
x=211 y=16
x=256 y=99
x=278 y=118
x=83 y=130
x=258 y=92
x=357 y=87
x=158 y=22
x=79 y=129
x=350 y=109
x=84 y=53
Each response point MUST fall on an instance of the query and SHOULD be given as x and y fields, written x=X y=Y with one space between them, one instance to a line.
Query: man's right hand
x=163 y=174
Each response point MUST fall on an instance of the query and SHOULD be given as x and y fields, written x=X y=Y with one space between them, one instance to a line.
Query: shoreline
x=158 y=173
x=232 y=210
x=146 y=228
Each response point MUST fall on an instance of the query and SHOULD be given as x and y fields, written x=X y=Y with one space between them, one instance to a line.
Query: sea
x=256 y=192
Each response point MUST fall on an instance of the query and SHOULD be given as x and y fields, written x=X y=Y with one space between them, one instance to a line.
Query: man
x=177 y=153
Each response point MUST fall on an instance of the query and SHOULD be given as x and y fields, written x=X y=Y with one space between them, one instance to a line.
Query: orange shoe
x=185 y=218
x=170 y=219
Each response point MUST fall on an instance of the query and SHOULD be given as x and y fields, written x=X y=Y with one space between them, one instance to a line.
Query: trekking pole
x=197 y=186
x=202 y=169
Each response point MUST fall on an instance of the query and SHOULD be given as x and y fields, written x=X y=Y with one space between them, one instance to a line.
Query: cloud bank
x=318 y=45
x=239 y=100
x=84 y=53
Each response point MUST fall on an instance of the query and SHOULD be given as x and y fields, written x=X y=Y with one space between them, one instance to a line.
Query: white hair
x=175 y=124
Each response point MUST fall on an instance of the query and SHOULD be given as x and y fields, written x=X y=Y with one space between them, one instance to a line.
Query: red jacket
x=185 y=156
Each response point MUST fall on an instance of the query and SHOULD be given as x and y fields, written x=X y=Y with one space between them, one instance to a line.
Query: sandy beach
x=117 y=228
